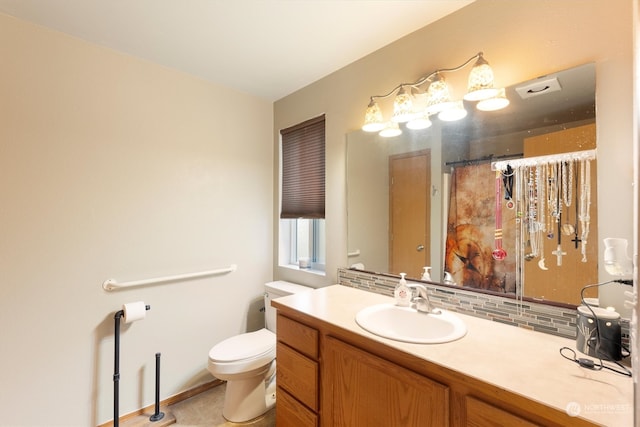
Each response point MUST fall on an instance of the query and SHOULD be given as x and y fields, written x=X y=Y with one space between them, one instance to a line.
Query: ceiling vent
x=539 y=87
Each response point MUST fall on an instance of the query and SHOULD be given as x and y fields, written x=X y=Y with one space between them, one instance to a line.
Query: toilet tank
x=274 y=290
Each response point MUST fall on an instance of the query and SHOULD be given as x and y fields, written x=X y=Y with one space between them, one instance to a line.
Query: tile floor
x=201 y=410
x=205 y=410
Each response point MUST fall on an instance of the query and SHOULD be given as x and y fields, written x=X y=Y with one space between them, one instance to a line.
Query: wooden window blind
x=303 y=170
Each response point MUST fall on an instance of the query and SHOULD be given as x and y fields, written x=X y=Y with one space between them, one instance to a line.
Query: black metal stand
x=116 y=368
x=157 y=415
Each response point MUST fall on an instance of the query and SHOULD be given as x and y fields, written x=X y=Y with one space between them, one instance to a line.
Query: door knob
x=420 y=248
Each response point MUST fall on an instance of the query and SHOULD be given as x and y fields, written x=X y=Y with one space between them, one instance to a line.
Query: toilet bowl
x=247 y=362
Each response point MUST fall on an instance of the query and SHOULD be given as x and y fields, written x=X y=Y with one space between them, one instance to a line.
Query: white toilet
x=247 y=362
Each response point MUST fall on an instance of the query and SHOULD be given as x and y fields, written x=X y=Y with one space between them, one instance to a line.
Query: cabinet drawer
x=298 y=375
x=481 y=414
x=298 y=336
x=290 y=412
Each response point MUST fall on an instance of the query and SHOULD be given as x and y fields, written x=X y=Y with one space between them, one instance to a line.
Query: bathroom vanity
x=331 y=372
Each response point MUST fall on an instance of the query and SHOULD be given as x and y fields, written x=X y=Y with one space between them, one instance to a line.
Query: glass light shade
x=391 y=129
x=402 y=107
x=498 y=102
x=373 y=121
x=438 y=95
x=616 y=261
x=455 y=111
x=480 y=84
x=420 y=121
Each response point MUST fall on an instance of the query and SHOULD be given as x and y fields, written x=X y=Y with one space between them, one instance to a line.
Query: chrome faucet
x=422 y=299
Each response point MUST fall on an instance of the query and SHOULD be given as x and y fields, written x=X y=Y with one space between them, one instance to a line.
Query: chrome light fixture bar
x=415 y=109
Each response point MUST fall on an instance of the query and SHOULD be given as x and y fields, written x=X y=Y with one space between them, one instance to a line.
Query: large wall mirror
x=398 y=189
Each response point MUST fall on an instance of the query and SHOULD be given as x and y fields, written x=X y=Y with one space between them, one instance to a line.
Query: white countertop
x=515 y=359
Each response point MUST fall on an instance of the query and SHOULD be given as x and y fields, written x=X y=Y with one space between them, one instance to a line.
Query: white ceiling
x=268 y=48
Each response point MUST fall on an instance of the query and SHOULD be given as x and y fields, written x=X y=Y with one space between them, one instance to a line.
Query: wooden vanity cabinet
x=329 y=377
x=297 y=374
x=361 y=389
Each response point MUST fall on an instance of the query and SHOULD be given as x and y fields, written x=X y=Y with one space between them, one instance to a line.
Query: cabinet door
x=360 y=389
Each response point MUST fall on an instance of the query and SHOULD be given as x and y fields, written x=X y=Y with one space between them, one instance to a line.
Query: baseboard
x=172 y=400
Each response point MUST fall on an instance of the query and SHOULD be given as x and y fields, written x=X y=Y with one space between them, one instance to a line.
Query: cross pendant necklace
x=559 y=252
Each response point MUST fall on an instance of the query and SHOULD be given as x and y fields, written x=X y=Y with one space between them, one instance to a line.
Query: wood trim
x=171 y=400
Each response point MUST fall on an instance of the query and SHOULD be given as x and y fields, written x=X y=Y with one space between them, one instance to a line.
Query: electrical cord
x=591 y=364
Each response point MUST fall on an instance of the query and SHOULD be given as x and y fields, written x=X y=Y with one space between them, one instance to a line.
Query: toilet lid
x=243 y=346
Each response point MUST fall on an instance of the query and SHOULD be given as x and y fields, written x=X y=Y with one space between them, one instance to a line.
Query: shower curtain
x=471 y=229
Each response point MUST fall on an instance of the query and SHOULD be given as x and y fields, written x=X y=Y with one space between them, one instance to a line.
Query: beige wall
x=112 y=167
x=521 y=40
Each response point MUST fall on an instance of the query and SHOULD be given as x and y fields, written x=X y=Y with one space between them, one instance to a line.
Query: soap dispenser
x=427 y=274
x=402 y=293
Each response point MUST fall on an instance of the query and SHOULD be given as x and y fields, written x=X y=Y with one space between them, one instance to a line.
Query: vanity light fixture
x=437 y=100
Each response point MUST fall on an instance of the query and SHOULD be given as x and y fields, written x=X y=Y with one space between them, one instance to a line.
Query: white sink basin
x=409 y=325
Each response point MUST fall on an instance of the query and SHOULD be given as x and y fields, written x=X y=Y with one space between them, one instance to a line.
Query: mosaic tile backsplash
x=529 y=315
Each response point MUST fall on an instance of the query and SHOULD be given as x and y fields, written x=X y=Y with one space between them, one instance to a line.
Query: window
x=302 y=231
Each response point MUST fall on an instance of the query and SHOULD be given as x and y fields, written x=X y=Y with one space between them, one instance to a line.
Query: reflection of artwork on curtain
x=471 y=230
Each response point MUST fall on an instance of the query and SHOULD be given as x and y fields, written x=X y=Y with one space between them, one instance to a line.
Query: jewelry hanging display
x=567 y=195
x=545 y=187
x=576 y=239
x=567 y=187
x=541 y=195
x=559 y=252
x=542 y=181
x=552 y=199
x=498 y=253
x=585 y=204
x=520 y=237
x=558 y=211
x=524 y=195
x=507 y=180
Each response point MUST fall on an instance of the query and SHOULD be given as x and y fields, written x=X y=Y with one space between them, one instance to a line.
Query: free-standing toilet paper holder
x=116 y=360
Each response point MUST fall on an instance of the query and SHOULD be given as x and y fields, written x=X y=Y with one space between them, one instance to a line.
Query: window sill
x=305 y=270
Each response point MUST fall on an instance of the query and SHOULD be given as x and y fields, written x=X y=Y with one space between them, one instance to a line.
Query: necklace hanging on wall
x=498 y=253
x=576 y=239
x=559 y=253
x=507 y=180
x=530 y=220
x=552 y=199
x=542 y=182
x=567 y=195
x=585 y=204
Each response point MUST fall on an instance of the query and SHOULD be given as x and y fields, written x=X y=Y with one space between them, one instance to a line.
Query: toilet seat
x=244 y=347
x=243 y=355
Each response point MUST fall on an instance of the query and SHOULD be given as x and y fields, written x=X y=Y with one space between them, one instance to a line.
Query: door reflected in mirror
x=392 y=231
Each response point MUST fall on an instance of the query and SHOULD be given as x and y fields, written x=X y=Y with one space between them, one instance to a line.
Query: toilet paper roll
x=134 y=311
